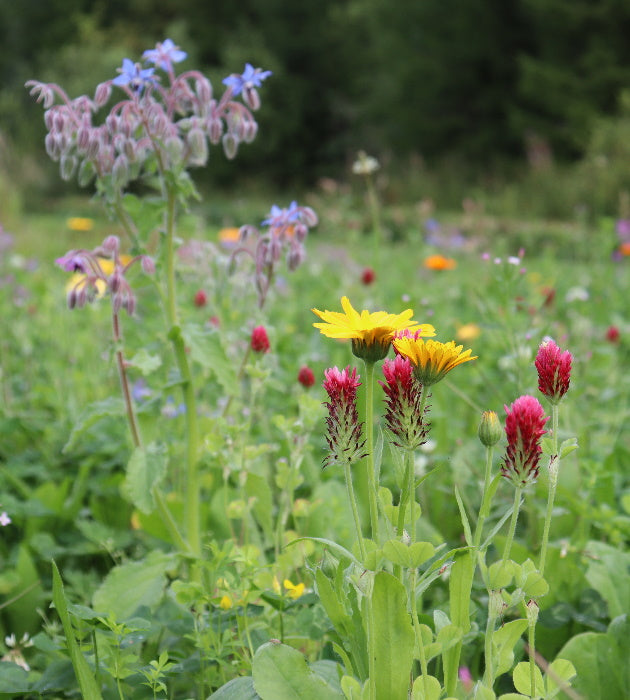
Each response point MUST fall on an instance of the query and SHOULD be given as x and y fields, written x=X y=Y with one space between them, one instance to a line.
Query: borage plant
x=187 y=613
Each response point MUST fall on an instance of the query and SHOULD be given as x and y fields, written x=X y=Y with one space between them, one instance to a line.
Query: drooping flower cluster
x=344 y=434
x=168 y=126
x=371 y=333
x=524 y=427
x=404 y=415
x=432 y=360
x=286 y=232
x=554 y=371
x=100 y=271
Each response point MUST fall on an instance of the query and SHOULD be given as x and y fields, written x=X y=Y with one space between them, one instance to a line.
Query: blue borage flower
x=134 y=75
x=250 y=78
x=164 y=55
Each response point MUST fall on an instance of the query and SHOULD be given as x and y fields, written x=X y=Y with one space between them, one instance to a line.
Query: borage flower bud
x=490 y=429
x=344 y=430
x=404 y=397
x=524 y=427
x=260 y=340
x=554 y=371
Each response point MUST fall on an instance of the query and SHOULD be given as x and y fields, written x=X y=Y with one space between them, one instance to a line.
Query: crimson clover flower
x=164 y=55
x=524 y=427
x=134 y=75
x=259 y=340
x=404 y=416
x=306 y=376
x=344 y=430
x=554 y=371
x=249 y=79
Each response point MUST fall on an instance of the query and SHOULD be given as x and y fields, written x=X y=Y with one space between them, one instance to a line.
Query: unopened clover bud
x=490 y=430
x=532 y=612
x=329 y=564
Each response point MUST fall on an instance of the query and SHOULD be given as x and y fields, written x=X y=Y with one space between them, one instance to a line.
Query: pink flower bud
x=524 y=427
x=148 y=265
x=200 y=299
x=259 y=340
x=306 y=377
x=102 y=93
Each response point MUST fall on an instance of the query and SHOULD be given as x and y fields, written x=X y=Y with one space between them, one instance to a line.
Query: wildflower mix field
x=334 y=450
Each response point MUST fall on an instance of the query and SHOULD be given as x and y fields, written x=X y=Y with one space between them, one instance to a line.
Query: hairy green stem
x=369 y=426
x=553 y=483
x=192 y=509
x=355 y=510
x=510 y=537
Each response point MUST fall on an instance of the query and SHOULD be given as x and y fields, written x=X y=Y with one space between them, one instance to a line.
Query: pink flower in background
x=260 y=340
x=306 y=377
x=554 y=370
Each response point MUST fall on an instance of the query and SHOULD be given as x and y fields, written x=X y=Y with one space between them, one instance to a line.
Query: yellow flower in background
x=432 y=360
x=80 y=223
x=292 y=590
x=107 y=266
x=225 y=603
x=468 y=331
x=371 y=333
x=439 y=262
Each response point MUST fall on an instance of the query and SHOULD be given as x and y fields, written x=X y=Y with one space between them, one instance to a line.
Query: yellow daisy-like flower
x=371 y=333
x=293 y=591
x=432 y=360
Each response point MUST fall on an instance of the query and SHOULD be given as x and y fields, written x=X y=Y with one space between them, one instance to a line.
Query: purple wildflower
x=134 y=75
x=250 y=78
x=164 y=55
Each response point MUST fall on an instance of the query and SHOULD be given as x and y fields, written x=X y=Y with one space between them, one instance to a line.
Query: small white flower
x=364 y=164
x=4 y=519
x=513 y=260
x=577 y=294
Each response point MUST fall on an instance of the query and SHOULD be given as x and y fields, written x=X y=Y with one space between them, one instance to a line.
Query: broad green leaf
x=504 y=640
x=500 y=575
x=522 y=680
x=608 y=574
x=482 y=692
x=281 y=673
x=394 y=642
x=13 y=679
x=237 y=689
x=426 y=688
x=87 y=683
x=601 y=661
x=145 y=470
x=206 y=349
x=460 y=584
x=561 y=672
x=409 y=556
x=128 y=586
x=568 y=446
x=145 y=362
x=112 y=406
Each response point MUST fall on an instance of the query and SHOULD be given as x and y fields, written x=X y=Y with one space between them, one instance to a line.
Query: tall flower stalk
x=554 y=377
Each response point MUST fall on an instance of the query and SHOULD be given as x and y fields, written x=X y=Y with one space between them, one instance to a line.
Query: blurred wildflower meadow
x=338 y=445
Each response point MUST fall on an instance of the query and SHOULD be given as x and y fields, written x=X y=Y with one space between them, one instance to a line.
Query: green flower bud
x=490 y=429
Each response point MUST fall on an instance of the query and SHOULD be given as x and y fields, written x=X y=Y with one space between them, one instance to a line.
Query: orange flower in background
x=624 y=248
x=80 y=223
x=439 y=262
x=229 y=237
